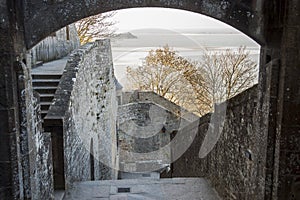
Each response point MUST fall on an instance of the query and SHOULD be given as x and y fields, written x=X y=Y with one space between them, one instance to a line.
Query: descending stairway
x=46 y=85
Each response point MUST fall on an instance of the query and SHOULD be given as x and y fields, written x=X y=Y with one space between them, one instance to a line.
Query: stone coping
x=63 y=93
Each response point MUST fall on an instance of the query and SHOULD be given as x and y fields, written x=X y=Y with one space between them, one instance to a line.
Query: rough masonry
x=144 y=133
x=86 y=103
x=274 y=24
x=235 y=166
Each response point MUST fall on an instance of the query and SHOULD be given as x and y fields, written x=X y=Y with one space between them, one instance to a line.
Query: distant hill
x=126 y=35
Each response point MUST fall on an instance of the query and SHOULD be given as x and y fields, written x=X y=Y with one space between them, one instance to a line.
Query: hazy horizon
x=131 y=52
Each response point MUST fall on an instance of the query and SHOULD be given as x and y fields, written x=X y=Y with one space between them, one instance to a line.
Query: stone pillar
x=280 y=97
x=288 y=126
x=267 y=120
x=11 y=52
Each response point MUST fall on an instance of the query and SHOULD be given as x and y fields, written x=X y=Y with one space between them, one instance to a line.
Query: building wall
x=235 y=164
x=86 y=101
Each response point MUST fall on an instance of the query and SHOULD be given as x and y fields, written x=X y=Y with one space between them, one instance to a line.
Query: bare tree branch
x=227 y=73
x=94 y=27
x=169 y=75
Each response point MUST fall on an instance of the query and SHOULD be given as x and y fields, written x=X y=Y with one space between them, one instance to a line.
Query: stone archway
x=272 y=23
x=43 y=18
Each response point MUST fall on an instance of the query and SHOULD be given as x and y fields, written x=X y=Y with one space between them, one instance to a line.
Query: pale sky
x=163 y=18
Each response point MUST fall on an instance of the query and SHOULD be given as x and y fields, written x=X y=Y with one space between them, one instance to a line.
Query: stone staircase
x=46 y=85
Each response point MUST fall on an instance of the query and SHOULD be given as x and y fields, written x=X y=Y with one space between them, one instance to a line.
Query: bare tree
x=226 y=74
x=195 y=86
x=167 y=74
x=97 y=26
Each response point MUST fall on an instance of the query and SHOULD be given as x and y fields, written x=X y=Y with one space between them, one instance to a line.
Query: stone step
x=45 y=82
x=46 y=76
x=45 y=102
x=45 y=89
x=44 y=113
x=46 y=97
x=45 y=105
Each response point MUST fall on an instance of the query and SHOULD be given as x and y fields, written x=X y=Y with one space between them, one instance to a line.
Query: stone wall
x=35 y=145
x=287 y=136
x=11 y=181
x=59 y=44
x=86 y=102
x=189 y=164
x=135 y=96
x=144 y=131
x=234 y=166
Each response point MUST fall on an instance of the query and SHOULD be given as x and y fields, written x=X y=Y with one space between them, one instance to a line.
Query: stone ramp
x=144 y=189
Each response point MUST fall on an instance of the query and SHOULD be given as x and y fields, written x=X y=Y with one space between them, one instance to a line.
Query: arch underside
x=44 y=17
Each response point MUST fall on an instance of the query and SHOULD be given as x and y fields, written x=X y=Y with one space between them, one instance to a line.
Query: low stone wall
x=139 y=96
x=86 y=102
x=232 y=166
